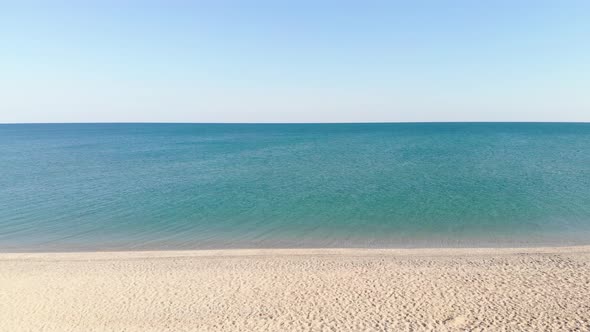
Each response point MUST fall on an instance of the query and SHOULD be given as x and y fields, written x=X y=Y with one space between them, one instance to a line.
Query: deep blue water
x=181 y=186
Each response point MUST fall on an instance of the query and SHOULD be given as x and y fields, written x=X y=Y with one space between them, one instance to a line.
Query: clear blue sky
x=294 y=61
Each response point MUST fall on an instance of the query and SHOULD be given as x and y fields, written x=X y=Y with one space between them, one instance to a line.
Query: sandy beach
x=536 y=289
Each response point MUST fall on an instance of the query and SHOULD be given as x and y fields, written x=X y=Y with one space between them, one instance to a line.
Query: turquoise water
x=181 y=186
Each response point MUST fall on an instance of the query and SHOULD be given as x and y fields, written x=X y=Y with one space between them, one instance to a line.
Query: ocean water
x=186 y=186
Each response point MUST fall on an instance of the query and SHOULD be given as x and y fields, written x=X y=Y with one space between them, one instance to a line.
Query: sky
x=294 y=61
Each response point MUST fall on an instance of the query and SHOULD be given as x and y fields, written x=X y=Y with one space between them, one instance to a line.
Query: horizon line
x=287 y=123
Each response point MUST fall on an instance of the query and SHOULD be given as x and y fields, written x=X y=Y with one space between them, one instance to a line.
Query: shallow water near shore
x=190 y=186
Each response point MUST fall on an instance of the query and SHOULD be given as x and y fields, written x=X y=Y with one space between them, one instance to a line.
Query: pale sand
x=279 y=290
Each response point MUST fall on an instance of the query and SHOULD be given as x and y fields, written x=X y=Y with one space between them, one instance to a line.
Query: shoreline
x=474 y=245
x=176 y=253
x=443 y=289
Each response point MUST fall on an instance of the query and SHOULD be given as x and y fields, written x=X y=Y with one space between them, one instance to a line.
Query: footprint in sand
x=455 y=321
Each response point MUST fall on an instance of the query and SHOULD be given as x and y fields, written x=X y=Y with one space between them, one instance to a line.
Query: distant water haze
x=186 y=186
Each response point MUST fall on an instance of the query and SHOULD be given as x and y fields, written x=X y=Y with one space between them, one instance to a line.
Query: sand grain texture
x=542 y=289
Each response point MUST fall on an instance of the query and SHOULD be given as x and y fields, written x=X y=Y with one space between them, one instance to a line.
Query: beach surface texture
x=535 y=289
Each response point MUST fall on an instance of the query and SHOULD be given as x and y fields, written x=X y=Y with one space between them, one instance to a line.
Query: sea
x=89 y=187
